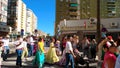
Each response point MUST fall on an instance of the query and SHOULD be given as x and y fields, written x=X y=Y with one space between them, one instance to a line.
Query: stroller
x=79 y=59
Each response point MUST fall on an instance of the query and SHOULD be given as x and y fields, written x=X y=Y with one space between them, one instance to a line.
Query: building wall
x=77 y=27
x=23 y=19
x=66 y=9
x=34 y=22
x=19 y=15
x=88 y=9
x=29 y=21
x=3 y=11
x=110 y=8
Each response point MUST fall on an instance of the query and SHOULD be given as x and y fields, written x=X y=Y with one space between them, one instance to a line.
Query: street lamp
x=98 y=21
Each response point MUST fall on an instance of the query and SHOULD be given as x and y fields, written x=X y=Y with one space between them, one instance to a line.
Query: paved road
x=11 y=61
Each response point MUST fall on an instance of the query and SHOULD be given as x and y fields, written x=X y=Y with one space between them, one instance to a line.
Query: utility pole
x=98 y=21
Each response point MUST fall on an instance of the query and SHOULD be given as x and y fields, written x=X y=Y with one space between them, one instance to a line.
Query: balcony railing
x=111 y=1
x=73 y=1
x=73 y=4
x=73 y=8
x=73 y=13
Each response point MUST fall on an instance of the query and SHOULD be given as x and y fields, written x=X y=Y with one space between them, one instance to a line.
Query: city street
x=11 y=62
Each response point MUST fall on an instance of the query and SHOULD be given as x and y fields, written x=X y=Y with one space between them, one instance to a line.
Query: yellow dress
x=51 y=56
x=41 y=46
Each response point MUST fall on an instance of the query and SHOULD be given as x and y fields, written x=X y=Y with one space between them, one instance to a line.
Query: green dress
x=39 y=57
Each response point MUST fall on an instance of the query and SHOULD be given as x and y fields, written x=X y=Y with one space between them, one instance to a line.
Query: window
x=111 y=0
x=73 y=1
x=66 y=0
x=61 y=0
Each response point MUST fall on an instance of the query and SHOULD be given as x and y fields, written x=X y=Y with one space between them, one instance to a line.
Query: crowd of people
x=108 y=52
x=69 y=49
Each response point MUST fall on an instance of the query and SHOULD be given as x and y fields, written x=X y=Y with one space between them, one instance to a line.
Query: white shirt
x=19 y=46
x=6 y=42
x=68 y=47
x=31 y=41
x=24 y=43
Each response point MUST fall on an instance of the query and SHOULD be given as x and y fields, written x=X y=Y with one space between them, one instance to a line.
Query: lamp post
x=98 y=21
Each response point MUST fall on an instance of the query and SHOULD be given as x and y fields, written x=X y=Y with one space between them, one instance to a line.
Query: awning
x=113 y=30
x=69 y=32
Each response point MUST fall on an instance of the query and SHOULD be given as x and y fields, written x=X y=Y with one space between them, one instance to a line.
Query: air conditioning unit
x=93 y=20
x=114 y=24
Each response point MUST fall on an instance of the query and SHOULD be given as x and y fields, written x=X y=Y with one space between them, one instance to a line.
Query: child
x=25 y=50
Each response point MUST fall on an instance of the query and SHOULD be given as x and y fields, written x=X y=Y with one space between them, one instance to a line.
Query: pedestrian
x=69 y=53
x=110 y=58
x=62 y=61
x=63 y=45
x=100 y=51
x=39 y=57
x=85 y=47
x=6 y=48
x=25 y=50
x=31 y=45
x=51 y=56
x=93 y=49
x=117 y=64
x=19 y=50
x=118 y=44
x=58 y=49
x=1 y=49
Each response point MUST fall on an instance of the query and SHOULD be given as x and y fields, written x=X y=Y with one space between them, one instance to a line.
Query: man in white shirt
x=31 y=45
x=6 y=47
x=69 y=53
x=19 y=50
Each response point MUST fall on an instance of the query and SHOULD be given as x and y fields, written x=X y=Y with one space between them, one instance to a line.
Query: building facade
x=110 y=8
x=3 y=11
x=66 y=9
x=13 y=13
x=4 y=29
x=86 y=9
x=34 y=21
x=31 y=24
x=85 y=28
x=23 y=17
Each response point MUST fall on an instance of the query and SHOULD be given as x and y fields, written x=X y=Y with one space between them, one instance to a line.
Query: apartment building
x=85 y=9
x=31 y=24
x=67 y=9
x=3 y=11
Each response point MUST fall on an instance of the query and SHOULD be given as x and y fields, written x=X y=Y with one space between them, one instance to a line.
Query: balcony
x=73 y=8
x=111 y=1
x=73 y=13
x=4 y=28
x=73 y=1
x=73 y=4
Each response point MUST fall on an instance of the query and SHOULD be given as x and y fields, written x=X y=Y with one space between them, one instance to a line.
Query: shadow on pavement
x=18 y=67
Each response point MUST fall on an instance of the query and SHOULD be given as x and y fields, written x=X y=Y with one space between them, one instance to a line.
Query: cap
x=111 y=44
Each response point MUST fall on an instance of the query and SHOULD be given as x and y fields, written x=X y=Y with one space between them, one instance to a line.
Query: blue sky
x=45 y=11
